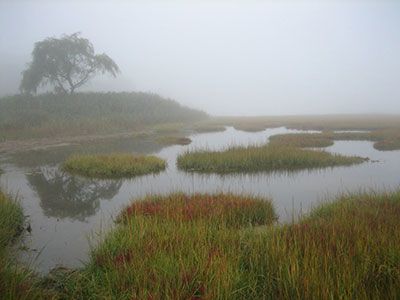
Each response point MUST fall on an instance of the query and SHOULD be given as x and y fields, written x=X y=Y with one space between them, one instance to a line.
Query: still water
x=67 y=212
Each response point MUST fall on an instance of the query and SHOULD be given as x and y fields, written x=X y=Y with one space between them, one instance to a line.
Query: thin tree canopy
x=66 y=63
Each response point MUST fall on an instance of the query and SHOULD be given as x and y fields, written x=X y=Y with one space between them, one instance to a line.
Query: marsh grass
x=50 y=115
x=312 y=122
x=174 y=140
x=197 y=247
x=261 y=158
x=173 y=247
x=250 y=127
x=388 y=139
x=209 y=246
x=16 y=282
x=347 y=249
x=302 y=140
x=203 y=127
x=118 y=165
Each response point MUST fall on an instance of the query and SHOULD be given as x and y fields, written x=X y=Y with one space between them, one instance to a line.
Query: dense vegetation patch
x=347 y=249
x=206 y=247
x=227 y=209
x=113 y=165
x=174 y=140
x=15 y=282
x=173 y=247
x=261 y=158
x=51 y=115
x=177 y=249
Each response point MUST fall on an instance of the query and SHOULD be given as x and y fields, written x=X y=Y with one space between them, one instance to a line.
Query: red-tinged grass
x=266 y=158
x=347 y=249
x=113 y=165
x=219 y=208
x=173 y=247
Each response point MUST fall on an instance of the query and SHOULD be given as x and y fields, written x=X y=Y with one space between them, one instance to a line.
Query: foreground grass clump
x=113 y=165
x=176 y=247
x=347 y=249
x=172 y=247
x=174 y=140
x=261 y=158
x=16 y=282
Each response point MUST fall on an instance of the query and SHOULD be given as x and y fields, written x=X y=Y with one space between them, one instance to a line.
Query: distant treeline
x=47 y=114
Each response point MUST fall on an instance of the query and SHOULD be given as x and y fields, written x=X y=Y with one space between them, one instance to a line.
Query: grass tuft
x=113 y=165
x=174 y=140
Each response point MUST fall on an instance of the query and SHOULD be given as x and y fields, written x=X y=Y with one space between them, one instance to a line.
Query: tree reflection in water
x=64 y=196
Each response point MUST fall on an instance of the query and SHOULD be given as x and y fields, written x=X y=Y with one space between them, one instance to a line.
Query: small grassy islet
x=261 y=158
x=174 y=140
x=384 y=140
x=117 y=165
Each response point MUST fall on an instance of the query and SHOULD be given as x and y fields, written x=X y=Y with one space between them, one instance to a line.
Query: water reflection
x=65 y=196
x=53 y=156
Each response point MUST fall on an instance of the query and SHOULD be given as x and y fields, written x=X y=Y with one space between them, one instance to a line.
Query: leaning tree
x=66 y=63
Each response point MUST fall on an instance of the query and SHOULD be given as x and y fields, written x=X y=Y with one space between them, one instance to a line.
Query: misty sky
x=227 y=57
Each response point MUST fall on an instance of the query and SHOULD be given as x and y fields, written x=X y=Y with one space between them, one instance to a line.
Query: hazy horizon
x=227 y=58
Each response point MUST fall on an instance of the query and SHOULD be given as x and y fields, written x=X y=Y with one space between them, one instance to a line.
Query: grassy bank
x=50 y=115
x=261 y=158
x=16 y=282
x=347 y=249
x=113 y=165
x=204 y=247
x=211 y=247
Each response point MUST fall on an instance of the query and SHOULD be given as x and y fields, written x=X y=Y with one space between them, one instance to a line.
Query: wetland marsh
x=67 y=212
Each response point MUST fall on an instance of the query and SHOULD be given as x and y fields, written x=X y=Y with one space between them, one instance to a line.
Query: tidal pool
x=67 y=213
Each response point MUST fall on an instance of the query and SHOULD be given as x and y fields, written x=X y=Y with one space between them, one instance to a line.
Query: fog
x=226 y=57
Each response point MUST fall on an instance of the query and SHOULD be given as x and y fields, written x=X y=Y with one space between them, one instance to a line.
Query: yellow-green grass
x=172 y=247
x=16 y=282
x=261 y=158
x=208 y=246
x=118 y=165
x=347 y=249
x=174 y=140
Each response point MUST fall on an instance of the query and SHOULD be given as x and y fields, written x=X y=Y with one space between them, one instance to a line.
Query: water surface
x=64 y=210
